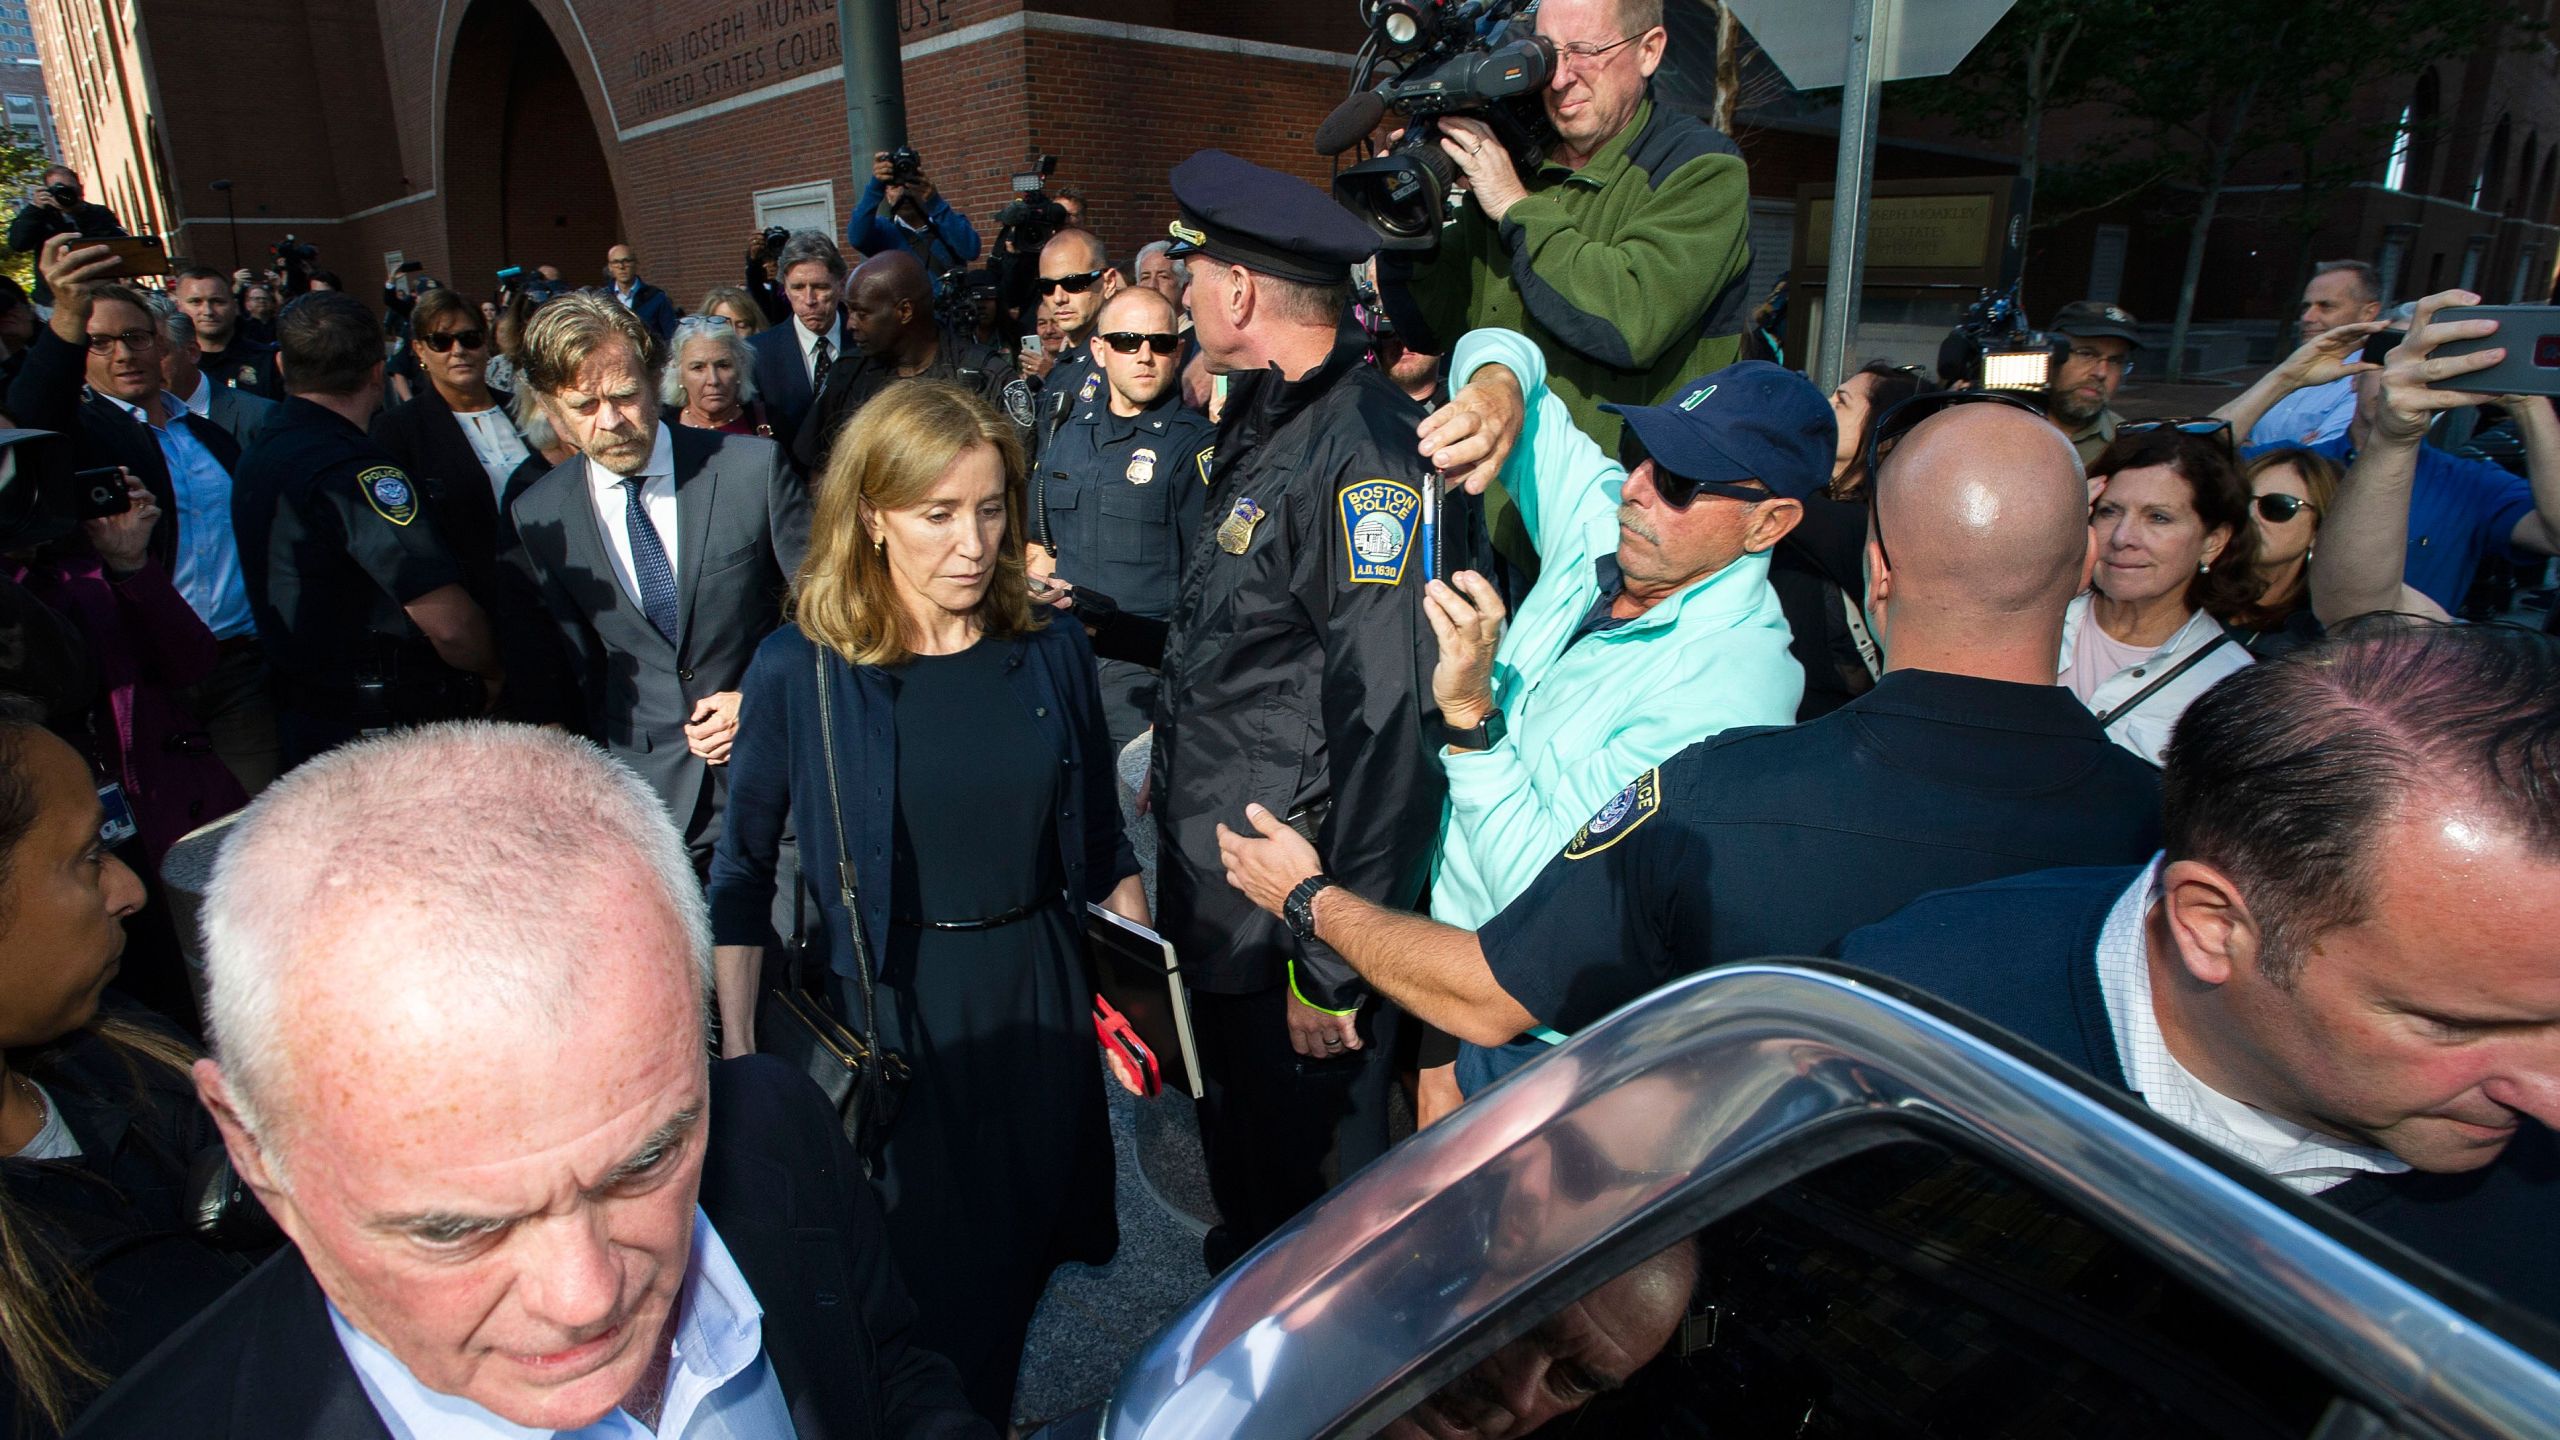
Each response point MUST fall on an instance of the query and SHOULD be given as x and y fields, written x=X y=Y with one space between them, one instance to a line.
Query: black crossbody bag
x=861 y=1079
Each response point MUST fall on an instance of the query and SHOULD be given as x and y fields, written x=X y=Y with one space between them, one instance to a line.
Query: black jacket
x=980 y=369
x=1297 y=669
x=422 y=434
x=2022 y=954
x=782 y=1188
x=117 y=1217
x=35 y=224
x=49 y=395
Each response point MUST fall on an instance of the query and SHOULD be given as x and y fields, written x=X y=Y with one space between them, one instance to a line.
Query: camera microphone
x=1350 y=122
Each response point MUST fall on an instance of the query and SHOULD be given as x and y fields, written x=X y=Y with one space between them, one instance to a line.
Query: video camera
x=533 y=287
x=1032 y=217
x=2000 y=351
x=1450 y=57
x=42 y=497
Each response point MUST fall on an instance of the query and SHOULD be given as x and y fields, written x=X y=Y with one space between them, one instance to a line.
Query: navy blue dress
x=972 y=785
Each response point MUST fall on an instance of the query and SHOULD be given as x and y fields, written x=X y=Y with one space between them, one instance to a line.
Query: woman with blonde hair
x=935 y=737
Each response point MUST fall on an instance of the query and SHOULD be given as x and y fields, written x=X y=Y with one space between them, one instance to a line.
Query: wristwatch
x=1299 y=910
x=1483 y=735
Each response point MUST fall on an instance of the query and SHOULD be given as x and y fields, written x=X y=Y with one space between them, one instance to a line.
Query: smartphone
x=411 y=267
x=141 y=254
x=1041 y=589
x=2531 y=335
x=100 y=493
x=1030 y=347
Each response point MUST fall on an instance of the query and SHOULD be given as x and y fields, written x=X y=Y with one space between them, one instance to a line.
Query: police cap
x=1239 y=212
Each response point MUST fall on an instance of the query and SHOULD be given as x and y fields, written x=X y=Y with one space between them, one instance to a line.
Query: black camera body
x=1453 y=57
x=1031 y=217
x=63 y=195
x=774 y=238
x=905 y=166
x=292 y=249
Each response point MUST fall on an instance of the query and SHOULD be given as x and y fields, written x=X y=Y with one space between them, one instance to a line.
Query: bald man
x=1076 y=277
x=1965 y=763
x=457 y=981
x=889 y=312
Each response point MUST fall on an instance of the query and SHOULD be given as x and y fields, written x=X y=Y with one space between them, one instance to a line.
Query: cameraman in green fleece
x=1622 y=257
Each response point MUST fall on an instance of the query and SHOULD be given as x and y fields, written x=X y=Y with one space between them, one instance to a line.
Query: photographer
x=761 y=281
x=901 y=210
x=1622 y=255
x=55 y=208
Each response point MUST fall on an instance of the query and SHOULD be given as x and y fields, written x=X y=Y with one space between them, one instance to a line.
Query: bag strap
x=2109 y=717
x=844 y=869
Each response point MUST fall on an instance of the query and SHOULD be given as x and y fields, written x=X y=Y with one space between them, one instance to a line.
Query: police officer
x=1117 y=499
x=889 y=312
x=1076 y=280
x=1297 y=676
x=360 y=604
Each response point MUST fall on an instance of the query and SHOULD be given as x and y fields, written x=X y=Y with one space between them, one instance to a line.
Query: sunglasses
x=1885 y=432
x=1677 y=490
x=1073 y=284
x=2279 y=508
x=2201 y=425
x=1127 y=342
x=467 y=339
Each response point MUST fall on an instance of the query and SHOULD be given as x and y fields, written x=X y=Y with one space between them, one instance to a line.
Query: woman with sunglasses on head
x=2176 y=558
x=1817 y=569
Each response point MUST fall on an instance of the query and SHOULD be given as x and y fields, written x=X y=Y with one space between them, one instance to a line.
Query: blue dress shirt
x=208 y=569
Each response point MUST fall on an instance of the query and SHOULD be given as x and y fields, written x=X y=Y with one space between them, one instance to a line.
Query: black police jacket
x=1118 y=499
x=118 y=1220
x=1297 y=670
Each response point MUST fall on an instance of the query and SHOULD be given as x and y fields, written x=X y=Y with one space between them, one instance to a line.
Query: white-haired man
x=457 y=981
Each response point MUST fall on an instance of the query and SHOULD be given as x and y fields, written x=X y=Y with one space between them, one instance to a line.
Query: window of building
x=2395 y=166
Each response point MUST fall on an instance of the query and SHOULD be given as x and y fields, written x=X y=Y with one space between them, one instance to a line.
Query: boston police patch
x=1378 y=517
x=1018 y=403
x=1203 y=461
x=389 y=493
x=1625 y=811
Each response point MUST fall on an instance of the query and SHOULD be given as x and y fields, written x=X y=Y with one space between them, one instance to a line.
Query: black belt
x=991 y=922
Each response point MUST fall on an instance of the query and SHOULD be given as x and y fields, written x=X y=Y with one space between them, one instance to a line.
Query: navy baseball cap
x=1748 y=421
x=1239 y=212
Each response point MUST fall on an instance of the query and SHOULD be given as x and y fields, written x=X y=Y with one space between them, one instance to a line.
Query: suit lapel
x=295 y=1380
x=697 y=489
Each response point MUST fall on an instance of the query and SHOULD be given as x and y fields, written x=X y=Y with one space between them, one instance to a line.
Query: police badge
x=1236 y=531
x=1018 y=405
x=1625 y=811
x=1378 y=519
x=1142 y=467
x=388 y=491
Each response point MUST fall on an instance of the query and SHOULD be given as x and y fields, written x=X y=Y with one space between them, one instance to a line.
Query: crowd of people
x=1499 y=637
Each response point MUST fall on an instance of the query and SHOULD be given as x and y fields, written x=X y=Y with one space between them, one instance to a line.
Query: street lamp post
x=231 y=219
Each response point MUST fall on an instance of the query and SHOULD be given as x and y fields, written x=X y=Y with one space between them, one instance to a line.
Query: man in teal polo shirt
x=1651 y=627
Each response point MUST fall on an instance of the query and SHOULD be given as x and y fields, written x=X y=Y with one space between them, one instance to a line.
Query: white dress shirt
x=834 y=336
x=719 y=1386
x=200 y=404
x=657 y=497
x=2294 y=1155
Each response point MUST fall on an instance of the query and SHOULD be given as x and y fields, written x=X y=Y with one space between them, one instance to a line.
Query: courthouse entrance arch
x=525 y=177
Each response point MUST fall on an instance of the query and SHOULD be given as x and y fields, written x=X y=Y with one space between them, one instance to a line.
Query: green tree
x=2218 y=82
x=2044 y=55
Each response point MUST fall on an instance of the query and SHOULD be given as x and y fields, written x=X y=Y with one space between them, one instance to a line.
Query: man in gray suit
x=242 y=413
x=662 y=552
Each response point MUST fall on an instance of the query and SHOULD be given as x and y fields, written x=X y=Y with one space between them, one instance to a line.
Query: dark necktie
x=818 y=373
x=649 y=568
